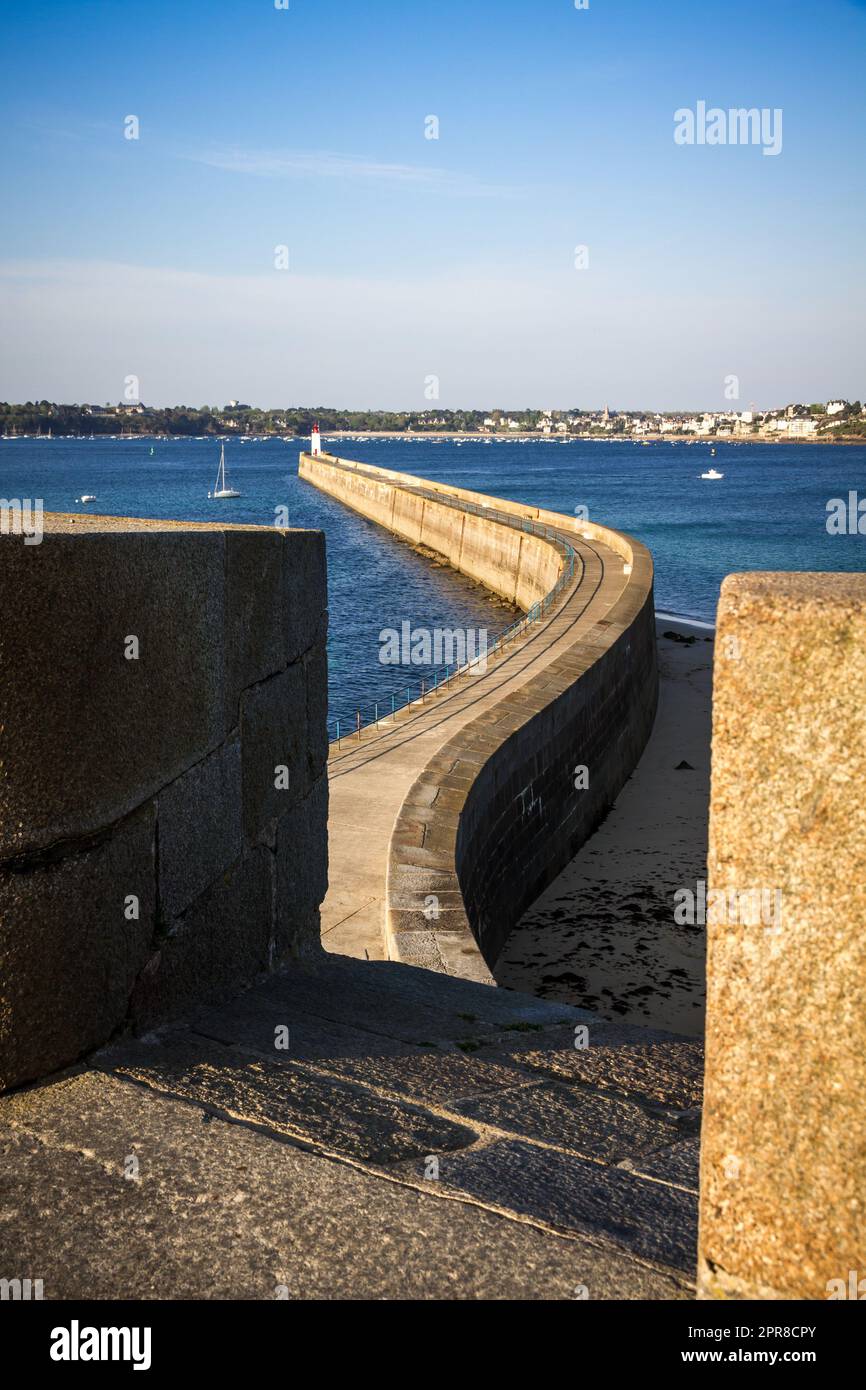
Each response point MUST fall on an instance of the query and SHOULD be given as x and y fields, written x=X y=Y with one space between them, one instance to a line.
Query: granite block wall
x=163 y=791
x=524 y=818
x=783 y=1146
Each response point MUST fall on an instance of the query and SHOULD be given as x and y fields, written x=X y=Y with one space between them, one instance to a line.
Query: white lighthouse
x=315 y=441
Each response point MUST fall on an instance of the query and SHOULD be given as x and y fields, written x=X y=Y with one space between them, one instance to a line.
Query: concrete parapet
x=516 y=564
x=527 y=812
x=783 y=1164
x=502 y=808
x=159 y=736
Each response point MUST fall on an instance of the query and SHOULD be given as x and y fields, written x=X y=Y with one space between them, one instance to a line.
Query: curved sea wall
x=518 y=565
x=163 y=799
x=510 y=796
x=527 y=812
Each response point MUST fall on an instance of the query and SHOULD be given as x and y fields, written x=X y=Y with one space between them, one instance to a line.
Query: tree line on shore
x=134 y=418
x=34 y=417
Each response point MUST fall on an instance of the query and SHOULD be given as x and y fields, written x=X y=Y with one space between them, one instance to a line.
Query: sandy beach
x=603 y=935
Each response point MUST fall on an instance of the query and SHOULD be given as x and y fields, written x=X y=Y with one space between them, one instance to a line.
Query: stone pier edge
x=494 y=816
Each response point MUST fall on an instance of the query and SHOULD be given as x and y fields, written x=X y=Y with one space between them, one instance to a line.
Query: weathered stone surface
x=783 y=1165
x=103 y=752
x=68 y=953
x=678 y=1164
x=459 y=958
x=435 y=1074
x=139 y=717
x=200 y=834
x=315 y=663
x=273 y=737
x=624 y=1061
x=277 y=1222
x=404 y=1002
x=488 y=1006
x=251 y=1020
x=290 y=1099
x=255 y=1191
x=219 y=944
x=301 y=873
x=579 y=1121
x=256 y=598
x=648 y=1219
x=305 y=593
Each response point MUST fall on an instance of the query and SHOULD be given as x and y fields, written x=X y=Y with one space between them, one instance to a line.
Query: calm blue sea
x=768 y=512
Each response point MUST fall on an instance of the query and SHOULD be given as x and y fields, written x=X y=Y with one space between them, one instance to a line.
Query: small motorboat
x=713 y=474
x=86 y=497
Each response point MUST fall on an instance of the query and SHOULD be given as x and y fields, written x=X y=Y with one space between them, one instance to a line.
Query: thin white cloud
x=326 y=164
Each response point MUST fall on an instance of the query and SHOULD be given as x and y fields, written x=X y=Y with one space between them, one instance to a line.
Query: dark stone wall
x=152 y=856
x=523 y=818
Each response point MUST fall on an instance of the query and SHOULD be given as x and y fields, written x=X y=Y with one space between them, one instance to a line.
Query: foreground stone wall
x=163 y=798
x=783 y=1165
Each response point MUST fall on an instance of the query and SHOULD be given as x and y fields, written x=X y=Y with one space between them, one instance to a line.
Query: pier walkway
x=372 y=773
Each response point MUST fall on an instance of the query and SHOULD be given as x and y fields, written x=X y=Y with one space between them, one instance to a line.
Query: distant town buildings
x=837 y=419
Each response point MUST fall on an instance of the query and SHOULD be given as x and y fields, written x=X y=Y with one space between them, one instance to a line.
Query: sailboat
x=221 y=490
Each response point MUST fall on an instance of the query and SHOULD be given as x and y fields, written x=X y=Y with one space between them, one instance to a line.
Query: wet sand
x=603 y=935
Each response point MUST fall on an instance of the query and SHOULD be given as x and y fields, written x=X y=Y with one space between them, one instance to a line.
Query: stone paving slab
x=312 y=1169
x=571 y=1119
x=497 y=1007
x=432 y=1074
x=406 y=1002
x=287 y=1098
x=678 y=1165
x=567 y=1193
x=219 y=1211
x=655 y=1069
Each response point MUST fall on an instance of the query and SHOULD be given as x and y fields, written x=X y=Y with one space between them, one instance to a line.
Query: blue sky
x=411 y=258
